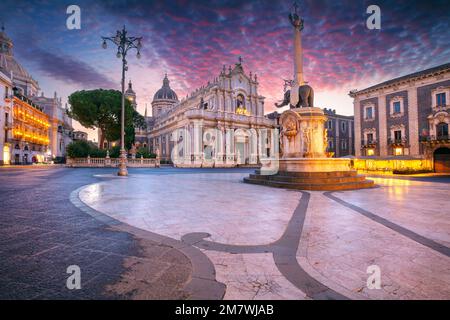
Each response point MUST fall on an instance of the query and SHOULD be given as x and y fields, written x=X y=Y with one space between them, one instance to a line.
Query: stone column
x=198 y=142
x=413 y=122
x=220 y=146
x=297 y=23
x=350 y=136
x=382 y=126
x=357 y=126
x=229 y=142
x=338 y=139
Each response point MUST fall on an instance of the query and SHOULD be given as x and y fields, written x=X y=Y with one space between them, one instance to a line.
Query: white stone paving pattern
x=337 y=244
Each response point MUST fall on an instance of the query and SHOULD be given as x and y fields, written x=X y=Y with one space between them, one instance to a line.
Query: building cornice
x=404 y=80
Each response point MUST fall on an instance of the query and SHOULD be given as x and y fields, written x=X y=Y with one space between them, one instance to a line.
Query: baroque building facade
x=61 y=130
x=221 y=124
x=340 y=134
x=24 y=136
x=406 y=118
x=5 y=118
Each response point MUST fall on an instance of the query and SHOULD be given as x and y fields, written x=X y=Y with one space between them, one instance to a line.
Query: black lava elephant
x=305 y=98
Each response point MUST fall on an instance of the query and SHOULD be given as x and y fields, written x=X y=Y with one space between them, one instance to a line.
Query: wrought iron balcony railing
x=368 y=143
x=433 y=138
x=398 y=142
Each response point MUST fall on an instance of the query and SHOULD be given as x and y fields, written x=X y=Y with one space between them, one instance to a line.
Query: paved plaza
x=202 y=233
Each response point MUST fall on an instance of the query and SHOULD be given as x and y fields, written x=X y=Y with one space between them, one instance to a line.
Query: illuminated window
x=398 y=151
x=370 y=152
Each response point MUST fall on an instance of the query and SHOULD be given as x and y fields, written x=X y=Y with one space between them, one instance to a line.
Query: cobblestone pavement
x=42 y=233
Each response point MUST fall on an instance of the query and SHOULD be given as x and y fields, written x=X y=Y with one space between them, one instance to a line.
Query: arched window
x=442 y=130
x=240 y=101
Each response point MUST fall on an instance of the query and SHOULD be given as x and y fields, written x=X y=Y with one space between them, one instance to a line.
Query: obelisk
x=305 y=163
x=297 y=23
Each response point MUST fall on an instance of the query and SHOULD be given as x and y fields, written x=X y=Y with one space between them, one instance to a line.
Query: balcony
x=435 y=139
x=368 y=143
x=442 y=107
x=401 y=142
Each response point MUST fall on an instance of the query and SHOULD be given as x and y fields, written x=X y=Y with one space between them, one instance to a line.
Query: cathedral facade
x=221 y=124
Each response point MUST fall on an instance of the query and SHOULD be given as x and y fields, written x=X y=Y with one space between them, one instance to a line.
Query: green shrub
x=411 y=171
x=114 y=152
x=145 y=153
x=78 y=149
x=97 y=153
x=59 y=160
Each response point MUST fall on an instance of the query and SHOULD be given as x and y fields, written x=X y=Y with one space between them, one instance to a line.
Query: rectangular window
x=6 y=125
x=397 y=107
x=440 y=99
x=369 y=113
x=330 y=145
x=397 y=135
x=398 y=151
x=344 y=145
x=343 y=126
x=370 y=137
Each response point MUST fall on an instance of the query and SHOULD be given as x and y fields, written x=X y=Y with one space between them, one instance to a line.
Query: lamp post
x=123 y=44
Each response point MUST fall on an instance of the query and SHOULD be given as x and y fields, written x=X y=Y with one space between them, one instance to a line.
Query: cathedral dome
x=165 y=93
x=7 y=62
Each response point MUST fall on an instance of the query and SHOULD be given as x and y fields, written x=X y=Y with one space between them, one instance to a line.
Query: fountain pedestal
x=304 y=163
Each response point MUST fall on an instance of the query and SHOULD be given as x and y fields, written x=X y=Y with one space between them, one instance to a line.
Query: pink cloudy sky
x=191 y=40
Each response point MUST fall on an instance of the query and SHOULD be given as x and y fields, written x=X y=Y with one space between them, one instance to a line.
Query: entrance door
x=442 y=160
x=240 y=152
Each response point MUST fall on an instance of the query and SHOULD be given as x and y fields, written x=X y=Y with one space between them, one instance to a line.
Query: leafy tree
x=101 y=109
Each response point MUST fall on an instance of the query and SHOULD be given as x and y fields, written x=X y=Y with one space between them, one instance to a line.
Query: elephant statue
x=305 y=98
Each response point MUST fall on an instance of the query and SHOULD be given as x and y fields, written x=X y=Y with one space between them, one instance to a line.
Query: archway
x=441 y=158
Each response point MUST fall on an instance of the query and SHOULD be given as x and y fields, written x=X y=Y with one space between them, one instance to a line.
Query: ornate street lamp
x=123 y=44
